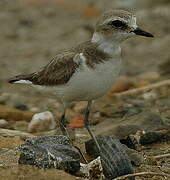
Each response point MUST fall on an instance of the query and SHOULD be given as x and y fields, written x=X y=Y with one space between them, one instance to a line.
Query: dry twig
x=142 y=174
x=8 y=132
x=162 y=156
x=143 y=89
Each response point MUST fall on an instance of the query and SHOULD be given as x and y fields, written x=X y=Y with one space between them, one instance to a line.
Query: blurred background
x=32 y=31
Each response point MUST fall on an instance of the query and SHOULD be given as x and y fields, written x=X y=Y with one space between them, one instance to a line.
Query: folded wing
x=57 y=72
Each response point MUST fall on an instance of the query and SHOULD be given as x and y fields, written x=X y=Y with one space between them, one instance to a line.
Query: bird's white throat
x=107 y=45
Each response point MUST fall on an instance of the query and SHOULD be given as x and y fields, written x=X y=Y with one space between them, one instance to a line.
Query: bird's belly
x=88 y=84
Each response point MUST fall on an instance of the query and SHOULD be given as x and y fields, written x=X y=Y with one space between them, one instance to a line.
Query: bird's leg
x=63 y=124
x=87 y=124
x=63 y=127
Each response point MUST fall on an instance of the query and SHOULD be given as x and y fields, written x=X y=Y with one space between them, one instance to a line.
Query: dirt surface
x=31 y=33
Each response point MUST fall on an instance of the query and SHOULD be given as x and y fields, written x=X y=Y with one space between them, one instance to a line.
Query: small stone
x=50 y=152
x=3 y=123
x=42 y=122
x=22 y=107
x=149 y=95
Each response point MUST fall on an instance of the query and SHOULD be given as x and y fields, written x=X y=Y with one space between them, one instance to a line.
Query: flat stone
x=152 y=137
x=50 y=152
x=115 y=162
x=123 y=127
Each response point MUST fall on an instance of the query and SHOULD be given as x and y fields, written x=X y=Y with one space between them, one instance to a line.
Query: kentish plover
x=87 y=71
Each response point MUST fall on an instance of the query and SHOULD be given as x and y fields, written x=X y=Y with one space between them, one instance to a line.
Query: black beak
x=141 y=32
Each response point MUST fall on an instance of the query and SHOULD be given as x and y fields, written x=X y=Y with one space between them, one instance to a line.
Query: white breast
x=88 y=83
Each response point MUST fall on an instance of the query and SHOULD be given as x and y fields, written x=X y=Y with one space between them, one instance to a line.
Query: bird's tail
x=22 y=79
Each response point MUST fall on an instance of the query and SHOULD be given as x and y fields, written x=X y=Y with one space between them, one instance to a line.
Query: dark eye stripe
x=117 y=24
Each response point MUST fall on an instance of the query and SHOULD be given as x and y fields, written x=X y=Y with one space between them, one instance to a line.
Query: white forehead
x=130 y=20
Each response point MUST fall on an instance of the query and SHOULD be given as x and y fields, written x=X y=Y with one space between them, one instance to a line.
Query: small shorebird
x=87 y=71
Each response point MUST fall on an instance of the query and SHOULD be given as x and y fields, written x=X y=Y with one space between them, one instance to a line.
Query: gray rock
x=152 y=137
x=123 y=127
x=115 y=162
x=50 y=152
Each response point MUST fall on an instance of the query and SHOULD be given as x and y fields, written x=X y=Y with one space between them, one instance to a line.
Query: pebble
x=149 y=95
x=42 y=122
x=3 y=123
x=22 y=107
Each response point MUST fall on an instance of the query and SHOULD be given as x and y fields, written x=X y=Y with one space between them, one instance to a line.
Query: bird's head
x=117 y=26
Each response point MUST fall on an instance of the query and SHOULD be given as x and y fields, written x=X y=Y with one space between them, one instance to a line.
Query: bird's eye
x=117 y=24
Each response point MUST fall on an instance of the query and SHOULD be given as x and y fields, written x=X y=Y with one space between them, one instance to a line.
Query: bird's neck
x=107 y=45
